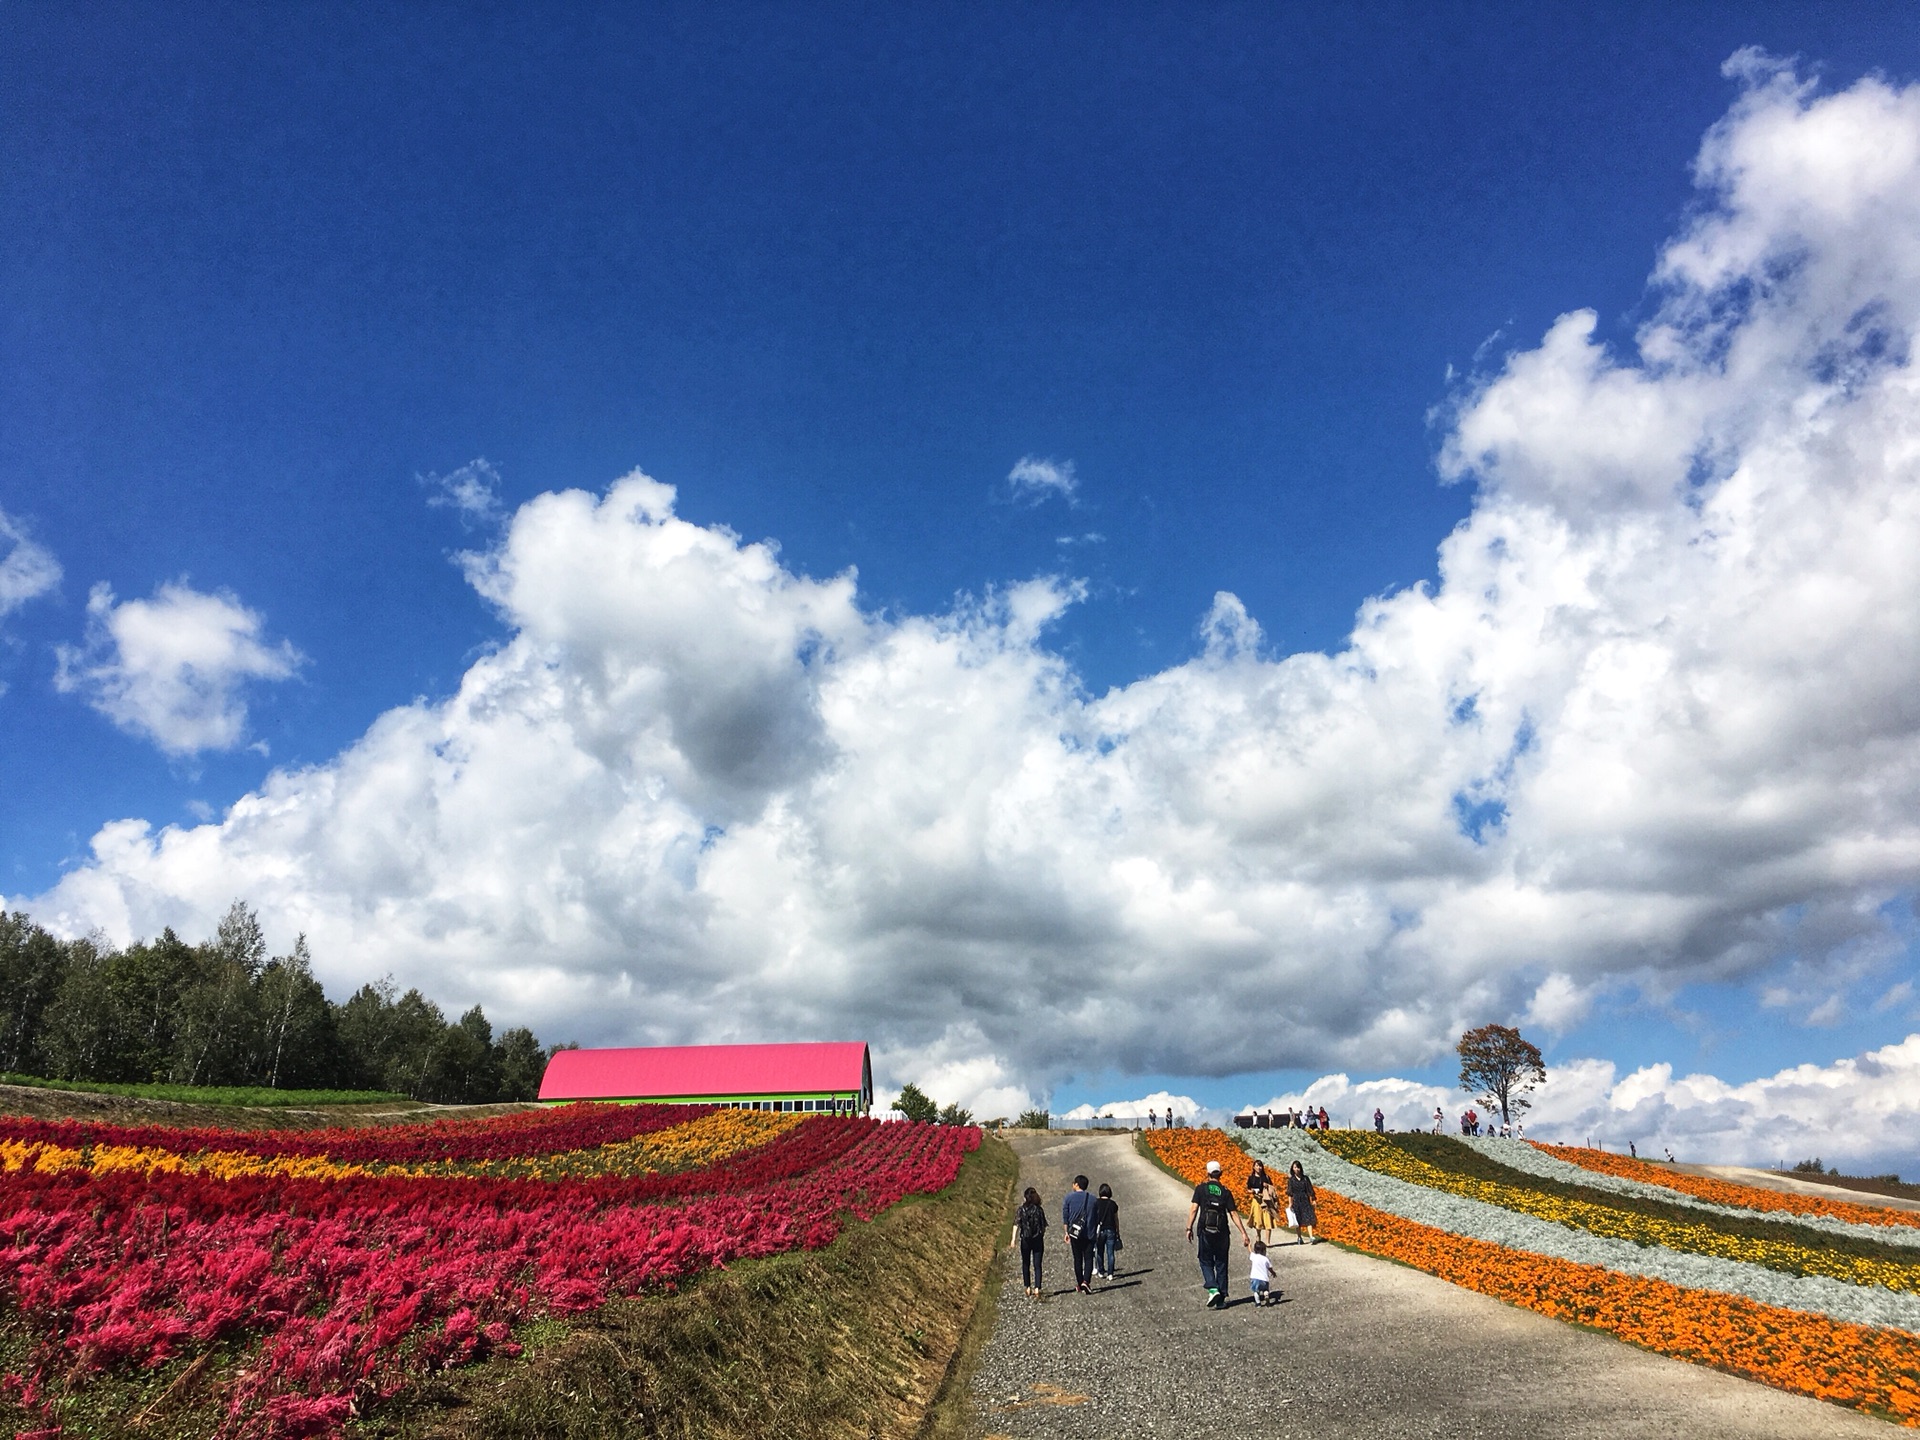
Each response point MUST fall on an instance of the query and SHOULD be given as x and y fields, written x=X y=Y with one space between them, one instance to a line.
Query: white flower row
x=1523 y=1155
x=1477 y=1220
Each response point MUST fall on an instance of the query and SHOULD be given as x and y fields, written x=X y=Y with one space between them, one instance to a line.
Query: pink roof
x=670 y=1070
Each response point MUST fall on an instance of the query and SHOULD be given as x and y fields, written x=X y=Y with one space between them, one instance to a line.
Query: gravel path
x=1359 y=1347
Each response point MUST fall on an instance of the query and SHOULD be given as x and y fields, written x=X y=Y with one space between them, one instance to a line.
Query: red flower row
x=351 y=1284
x=530 y=1132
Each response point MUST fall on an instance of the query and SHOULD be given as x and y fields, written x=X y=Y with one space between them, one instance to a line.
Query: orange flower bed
x=1727 y=1192
x=1853 y=1365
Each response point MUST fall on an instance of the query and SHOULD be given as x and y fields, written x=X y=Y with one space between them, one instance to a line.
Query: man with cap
x=1212 y=1204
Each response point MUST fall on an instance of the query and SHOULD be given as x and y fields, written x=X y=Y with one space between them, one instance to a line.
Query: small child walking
x=1262 y=1277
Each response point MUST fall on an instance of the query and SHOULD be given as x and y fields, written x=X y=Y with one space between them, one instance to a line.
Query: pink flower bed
x=344 y=1287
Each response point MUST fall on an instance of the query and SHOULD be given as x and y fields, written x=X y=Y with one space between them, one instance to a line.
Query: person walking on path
x=1260 y=1275
x=1030 y=1235
x=1106 y=1234
x=1076 y=1217
x=1263 y=1203
x=1379 y=1121
x=1300 y=1202
x=1212 y=1204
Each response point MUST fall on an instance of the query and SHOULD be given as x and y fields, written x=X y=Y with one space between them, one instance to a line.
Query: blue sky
x=830 y=273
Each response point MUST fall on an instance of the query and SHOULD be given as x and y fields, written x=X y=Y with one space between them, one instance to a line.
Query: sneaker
x=1212 y=1295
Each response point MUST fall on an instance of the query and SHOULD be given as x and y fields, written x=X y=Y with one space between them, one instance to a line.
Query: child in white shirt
x=1262 y=1277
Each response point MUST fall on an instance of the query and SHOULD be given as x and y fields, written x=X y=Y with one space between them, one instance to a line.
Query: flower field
x=1727 y=1192
x=1802 y=1333
x=1703 y=1237
x=337 y=1265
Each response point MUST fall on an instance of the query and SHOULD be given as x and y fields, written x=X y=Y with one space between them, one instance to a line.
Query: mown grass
x=855 y=1340
x=208 y=1094
x=1446 y=1153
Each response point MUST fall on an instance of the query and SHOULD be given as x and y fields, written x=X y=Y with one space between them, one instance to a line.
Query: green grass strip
x=210 y=1094
x=1442 y=1163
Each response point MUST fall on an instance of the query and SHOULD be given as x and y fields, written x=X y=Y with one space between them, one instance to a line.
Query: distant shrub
x=1034 y=1120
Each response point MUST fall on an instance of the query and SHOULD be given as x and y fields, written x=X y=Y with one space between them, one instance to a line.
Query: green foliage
x=209 y=1094
x=1810 y=1167
x=1034 y=1120
x=1498 y=1066
x=226 y=1014
x=916 y=1104
x=954 y=1115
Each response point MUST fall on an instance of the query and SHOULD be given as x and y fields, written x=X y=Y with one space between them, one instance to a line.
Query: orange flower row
x=1807 y=1354
x=1727 y=1192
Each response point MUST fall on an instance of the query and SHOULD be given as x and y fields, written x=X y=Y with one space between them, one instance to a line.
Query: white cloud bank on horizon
x=173 y=669
x=1658 y=722
x=1861 y=1113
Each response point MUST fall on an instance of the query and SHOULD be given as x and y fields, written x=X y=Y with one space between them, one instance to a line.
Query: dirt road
x=1358 y=1347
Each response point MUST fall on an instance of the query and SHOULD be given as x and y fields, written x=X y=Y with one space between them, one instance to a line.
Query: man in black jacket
x=1212 y=1206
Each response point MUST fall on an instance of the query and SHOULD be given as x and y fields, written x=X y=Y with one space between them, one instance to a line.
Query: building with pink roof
x=834 y=1077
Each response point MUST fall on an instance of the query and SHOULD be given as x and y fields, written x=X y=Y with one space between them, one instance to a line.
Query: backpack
x=1033 y=1222
x=1213 y=1211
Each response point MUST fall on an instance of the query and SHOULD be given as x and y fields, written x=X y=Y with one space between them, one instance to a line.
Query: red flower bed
x=350 y=1284
x=531 y=1132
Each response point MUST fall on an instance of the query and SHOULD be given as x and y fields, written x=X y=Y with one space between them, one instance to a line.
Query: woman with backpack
x=1106 y=1233
x=1030 y=1237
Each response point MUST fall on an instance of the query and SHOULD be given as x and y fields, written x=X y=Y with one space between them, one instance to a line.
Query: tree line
x=224 y=1012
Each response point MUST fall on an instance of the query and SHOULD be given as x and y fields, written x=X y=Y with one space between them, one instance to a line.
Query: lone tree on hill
x=1499 y=1066
x=916 y=1104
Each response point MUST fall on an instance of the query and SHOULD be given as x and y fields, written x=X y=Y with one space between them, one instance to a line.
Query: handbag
x=1292 y=1224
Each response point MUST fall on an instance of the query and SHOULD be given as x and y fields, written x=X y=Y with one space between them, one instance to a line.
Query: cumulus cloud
x=472 y=492
x=173 y=669
x=1657 y=723
x=27 y=569
x=1862 y=1114
x=1033 y=480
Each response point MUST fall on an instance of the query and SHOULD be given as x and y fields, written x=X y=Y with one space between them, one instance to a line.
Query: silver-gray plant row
x=1523 y=1155
x=1477 y=1220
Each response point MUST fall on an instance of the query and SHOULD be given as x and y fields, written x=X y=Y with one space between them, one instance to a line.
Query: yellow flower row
x=711 y=1138
x=18 y=1155
x=696 y=1143
x=1388 y=1159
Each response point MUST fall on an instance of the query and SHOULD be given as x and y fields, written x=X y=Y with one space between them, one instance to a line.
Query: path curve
x=1359 y=1347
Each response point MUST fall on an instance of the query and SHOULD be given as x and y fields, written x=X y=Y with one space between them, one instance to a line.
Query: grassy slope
x=207 y=1094
x=114 y=1109
x=854 y=1340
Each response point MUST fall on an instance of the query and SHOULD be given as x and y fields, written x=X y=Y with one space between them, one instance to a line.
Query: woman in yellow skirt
x=1263 y=1204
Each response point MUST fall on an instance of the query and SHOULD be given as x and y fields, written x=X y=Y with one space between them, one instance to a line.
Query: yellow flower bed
x=700 y=1142
x=16 y=1156
x=1386 y=1158
x=691 y=1146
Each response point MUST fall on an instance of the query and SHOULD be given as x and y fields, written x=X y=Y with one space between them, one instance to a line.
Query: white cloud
x=472 y=491
x=1033 y=480
x=173 y=669
x=1558 y=1004
x=27 y=569
x=1403 y=1104
x=1862 y=1114
x=1655 y=724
